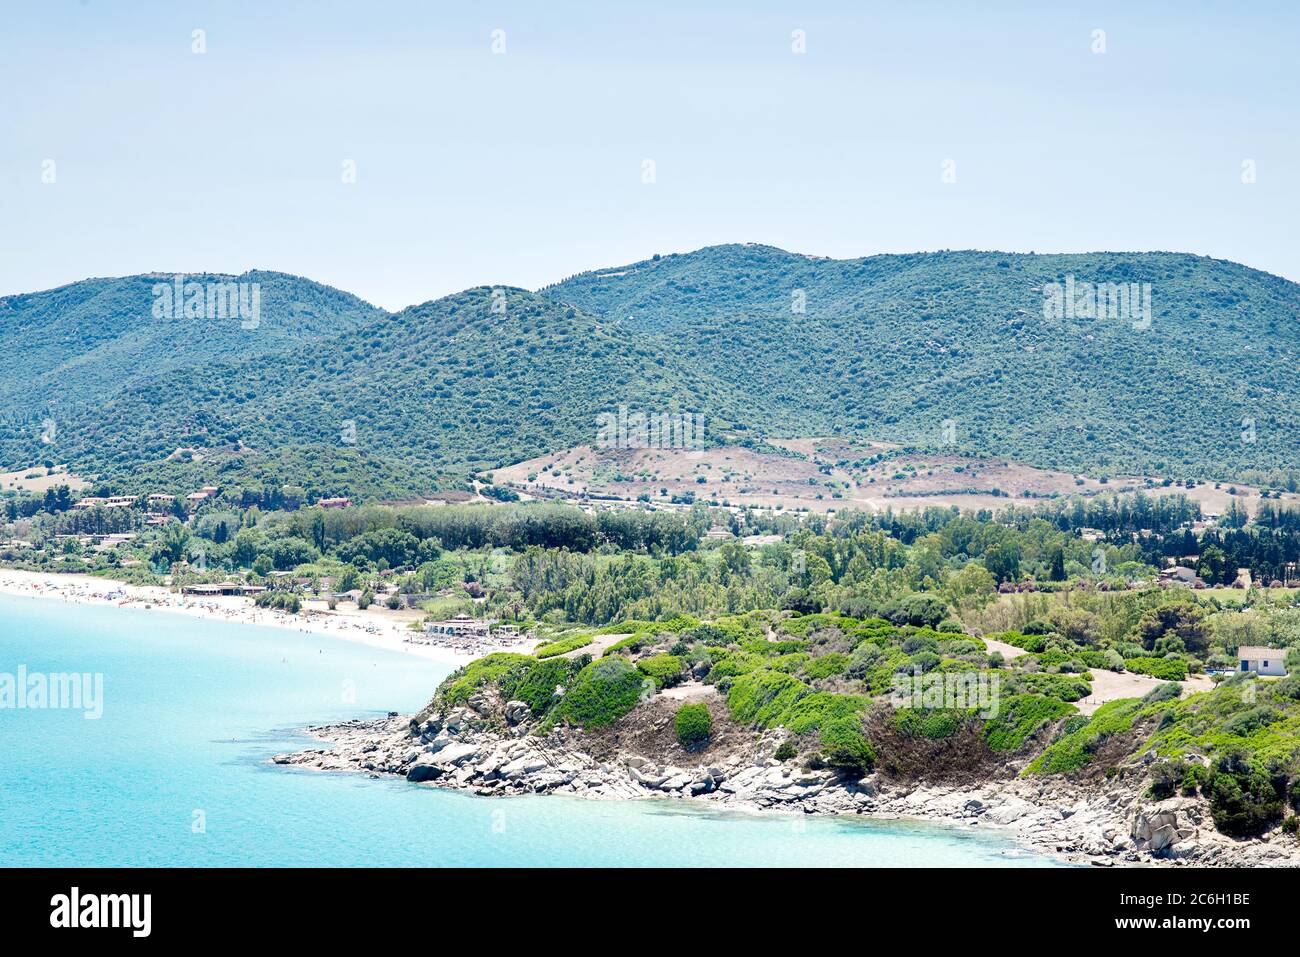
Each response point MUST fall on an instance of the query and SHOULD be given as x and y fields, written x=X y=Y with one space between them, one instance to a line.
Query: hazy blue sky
x=523 y=167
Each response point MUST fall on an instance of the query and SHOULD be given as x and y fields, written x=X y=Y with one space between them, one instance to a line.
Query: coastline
x=376 y=630
x=1090 y=824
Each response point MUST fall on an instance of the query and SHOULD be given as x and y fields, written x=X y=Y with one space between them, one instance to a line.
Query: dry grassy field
x=825 y=474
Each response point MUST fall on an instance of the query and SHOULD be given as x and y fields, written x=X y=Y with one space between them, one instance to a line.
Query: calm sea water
x=175 y=772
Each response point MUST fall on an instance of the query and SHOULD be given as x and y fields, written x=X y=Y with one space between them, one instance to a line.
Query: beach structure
x=460 y=627
x=222 y=588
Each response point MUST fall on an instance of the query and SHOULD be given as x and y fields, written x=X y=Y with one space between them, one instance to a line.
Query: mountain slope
x=930 y=351
x=79 y=342
x=893 y=346
x=416 y=399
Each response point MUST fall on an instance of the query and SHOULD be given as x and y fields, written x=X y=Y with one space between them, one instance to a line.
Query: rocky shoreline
x=470 y=749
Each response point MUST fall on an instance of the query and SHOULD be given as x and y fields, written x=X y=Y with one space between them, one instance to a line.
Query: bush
x=936 y=724
x=490 y=669
x=563 y=646
x=1245 y=799
x=844 y=747
x=1167 y=691
x=536 y=687
x=786 y=750
x=917 y=609
x=693 y=725
x=1019 y=716
x=1166 y=669
x=950 y=626
x=763 y=697
x=835 y=663
x=666 y=670
x=1054 y=686
x=603 y=692
x=1083 y=736
x=1166 y=778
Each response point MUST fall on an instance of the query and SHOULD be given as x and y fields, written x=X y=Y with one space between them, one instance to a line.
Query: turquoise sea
x=176 y=772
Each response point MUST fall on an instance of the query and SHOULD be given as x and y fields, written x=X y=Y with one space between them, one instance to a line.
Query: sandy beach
x=377 y=626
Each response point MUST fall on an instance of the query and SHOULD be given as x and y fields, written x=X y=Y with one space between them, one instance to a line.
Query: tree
x=1181 y=619
x=972 y=585
x=1213 y=566
x=1056 y=565
x=1003 y=561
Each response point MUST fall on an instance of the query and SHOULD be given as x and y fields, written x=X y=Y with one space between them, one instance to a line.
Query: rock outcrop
x=488 y=747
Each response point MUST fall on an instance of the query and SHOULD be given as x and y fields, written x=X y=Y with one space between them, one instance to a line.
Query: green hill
x=891 y=346
x=402 y=404
x=77 y=343
x=887 y=347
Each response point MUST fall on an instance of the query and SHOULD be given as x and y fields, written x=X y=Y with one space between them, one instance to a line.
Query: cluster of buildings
x=161 y=503
x=471 y=634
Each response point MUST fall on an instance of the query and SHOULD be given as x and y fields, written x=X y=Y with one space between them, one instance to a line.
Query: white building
x=1262 y=661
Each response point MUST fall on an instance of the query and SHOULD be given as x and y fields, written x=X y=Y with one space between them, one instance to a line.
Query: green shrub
x=490 y=669
x=1166 y=778
x=826 y=666
x=763 y=697
x=693 y=724
x=563 y=646
x=1168 y=691
x=1250 y=720
x=936 y=724
x=603 y=692
x=1053 y=686
x=1019 y=716
x=536 y=687
x=845 y=748
x=786 y=750
x=1166 y=669
x=1245 y=799
x=811 y=711
x=632 y=643
x=1076 y=748
x=666 y=670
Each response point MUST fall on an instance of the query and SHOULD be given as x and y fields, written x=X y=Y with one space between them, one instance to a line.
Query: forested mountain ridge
x=416 y=400
x=892 y=346
x=74 y=344
x=927 y=350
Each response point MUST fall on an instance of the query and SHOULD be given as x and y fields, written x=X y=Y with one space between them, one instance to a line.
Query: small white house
x=1262 y=661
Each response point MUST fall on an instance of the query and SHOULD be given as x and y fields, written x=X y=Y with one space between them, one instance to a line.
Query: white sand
x=377 y=626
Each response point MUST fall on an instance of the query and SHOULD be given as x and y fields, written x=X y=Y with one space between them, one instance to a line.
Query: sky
x=403 y=151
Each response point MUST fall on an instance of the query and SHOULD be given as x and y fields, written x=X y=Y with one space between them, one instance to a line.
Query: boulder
x=1013 y=810
x=1162 y=838
x=457 y=753
x=522 y=767
x=517 y=711
x=423 y=772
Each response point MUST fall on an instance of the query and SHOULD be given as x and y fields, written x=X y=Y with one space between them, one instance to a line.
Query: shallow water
x=176 y=770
